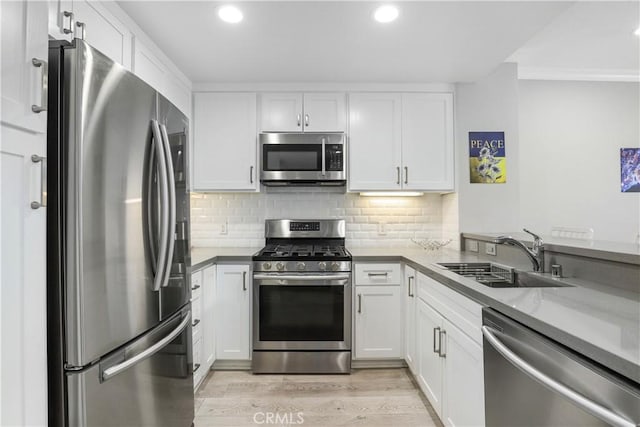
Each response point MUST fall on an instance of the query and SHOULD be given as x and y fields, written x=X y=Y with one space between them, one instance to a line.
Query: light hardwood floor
x=367 y=397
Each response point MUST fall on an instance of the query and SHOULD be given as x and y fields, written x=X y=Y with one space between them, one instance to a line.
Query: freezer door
x=115 y=197
x=175 y=131
x=147 y=383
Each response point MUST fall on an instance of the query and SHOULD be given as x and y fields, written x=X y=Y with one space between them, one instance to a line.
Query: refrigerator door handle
x=109 y=373
x=170 y=173
x=578 y=399
x=161 y=262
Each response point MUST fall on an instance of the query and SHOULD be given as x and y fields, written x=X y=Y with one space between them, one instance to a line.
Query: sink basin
x=501 y=276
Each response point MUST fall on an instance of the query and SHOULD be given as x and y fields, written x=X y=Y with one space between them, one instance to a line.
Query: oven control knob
x=301 y=266
x=280 y=266
x=266 y=266
x=322 y=265
x=335 y=266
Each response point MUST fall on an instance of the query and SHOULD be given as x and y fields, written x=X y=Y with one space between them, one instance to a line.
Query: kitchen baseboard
x=378 y=363
x=231 y=365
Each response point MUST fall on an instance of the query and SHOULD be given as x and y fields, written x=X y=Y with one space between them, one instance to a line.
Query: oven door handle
x=302 y=278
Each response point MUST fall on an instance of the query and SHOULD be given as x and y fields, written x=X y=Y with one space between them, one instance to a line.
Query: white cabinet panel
x=23 y=368
x=378 y=322
x=208 y=317
x=24 y=37
x=148 y=67
x=427 y=141
x=233 y=312
x=378 y=274
x=325 y=112
x=430 y=367
x=463 y=398
x=281 y=112
x=375 y=151
x=224 y=142
x=409 y=291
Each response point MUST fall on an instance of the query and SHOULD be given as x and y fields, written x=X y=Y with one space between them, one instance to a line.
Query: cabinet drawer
x=463 y=312
x=378 y=274
x=198 y=368
x=196 y=285
x=196 y=310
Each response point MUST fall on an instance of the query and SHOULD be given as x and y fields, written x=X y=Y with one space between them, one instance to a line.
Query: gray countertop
x=600 y=322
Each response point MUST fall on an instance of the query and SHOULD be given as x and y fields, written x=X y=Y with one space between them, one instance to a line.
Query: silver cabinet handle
x=378 y=274
x=43 y=182
x=67 y=14
x=161 y=261
x=244 y=280
x=115 y=370
x=398 y=172
x=298 y=120
x=83 y=29
x=195 y=287
x=589 y=406
x=306 y=120
x=411 y=279
x=171 y=184
x=359 y=303
x=251 y=174
x=44 y=78
x=196 y=367
x=195 y=322
x=436 y=331
x=406 y=174
x=441 y=340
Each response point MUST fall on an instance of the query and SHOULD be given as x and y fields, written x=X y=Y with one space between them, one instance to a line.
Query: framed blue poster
x=487 y=158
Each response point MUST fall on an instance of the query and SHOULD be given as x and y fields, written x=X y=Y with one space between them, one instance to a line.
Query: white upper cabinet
x=427 y=141
x=224 y=142
x=297 y=112
x=24 y=67
x=375 y=150
x=401 y=141
x=91 y=21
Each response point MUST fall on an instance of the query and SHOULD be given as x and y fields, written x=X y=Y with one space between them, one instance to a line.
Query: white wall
x=490 y=104
x=405 y=217
x=570 y=139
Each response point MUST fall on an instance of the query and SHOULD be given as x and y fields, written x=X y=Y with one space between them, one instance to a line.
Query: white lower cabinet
x=208 y=317
x=377 y=310
x=233 y=312
x=410 y=349
x=450 y=367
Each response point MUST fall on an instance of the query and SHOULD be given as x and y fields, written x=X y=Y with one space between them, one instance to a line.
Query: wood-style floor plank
x=367 y=397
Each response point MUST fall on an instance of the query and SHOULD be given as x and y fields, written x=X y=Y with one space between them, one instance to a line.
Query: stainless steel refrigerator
x=119 y=313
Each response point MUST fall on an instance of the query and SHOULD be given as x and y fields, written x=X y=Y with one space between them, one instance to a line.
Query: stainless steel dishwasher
x=531 y=380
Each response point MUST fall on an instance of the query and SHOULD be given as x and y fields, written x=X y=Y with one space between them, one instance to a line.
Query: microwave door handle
x=324 y=171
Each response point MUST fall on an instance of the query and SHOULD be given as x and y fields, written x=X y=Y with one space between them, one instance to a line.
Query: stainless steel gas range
x=302 y=298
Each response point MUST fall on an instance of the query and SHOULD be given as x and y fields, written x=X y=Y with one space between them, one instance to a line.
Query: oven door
x=302 y=311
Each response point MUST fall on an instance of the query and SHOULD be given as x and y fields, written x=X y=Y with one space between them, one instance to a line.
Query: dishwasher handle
x=579 y=400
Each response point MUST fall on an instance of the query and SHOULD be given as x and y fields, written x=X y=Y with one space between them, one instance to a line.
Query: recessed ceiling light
x=385 y=13
x=230 y=14
x=637 y=32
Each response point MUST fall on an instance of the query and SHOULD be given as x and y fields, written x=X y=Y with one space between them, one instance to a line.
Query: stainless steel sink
x=501 y=276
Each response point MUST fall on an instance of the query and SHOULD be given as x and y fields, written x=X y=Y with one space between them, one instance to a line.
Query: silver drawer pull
x=44 y=78
x=195 y=323
x=43 y=182
x=195 y=287
x=377 y=274
x=359 y=303
x=196 y=367
x=67 y=14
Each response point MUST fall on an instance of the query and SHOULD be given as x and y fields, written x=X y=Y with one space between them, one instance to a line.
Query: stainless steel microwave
x=303 y=159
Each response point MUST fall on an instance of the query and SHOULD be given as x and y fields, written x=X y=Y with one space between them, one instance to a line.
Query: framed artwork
x=487 y=158
x=630 y=170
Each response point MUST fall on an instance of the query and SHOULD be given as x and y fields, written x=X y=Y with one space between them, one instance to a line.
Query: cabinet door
x=224 y=142
x=378 y=319
x=325 y=112
x=233 y=312
x=23 y=366
x=427 y=141
x=463 y=400
x=61 y=20
x=24 y=37
x=208 y=317
x=374 y=141
x=410 y=318
x=103 y=31
x=430 y=365
x=281 y=112
x=148 y=67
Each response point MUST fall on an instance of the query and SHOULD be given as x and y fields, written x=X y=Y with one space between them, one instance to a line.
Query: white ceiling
x=338 y=41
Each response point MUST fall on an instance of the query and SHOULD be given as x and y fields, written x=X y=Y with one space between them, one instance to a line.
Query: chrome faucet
x=535 y=254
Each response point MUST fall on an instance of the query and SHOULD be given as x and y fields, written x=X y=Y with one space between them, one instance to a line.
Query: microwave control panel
x=334 y=157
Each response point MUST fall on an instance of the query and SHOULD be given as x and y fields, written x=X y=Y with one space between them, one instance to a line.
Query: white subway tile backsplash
x=428 y=216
